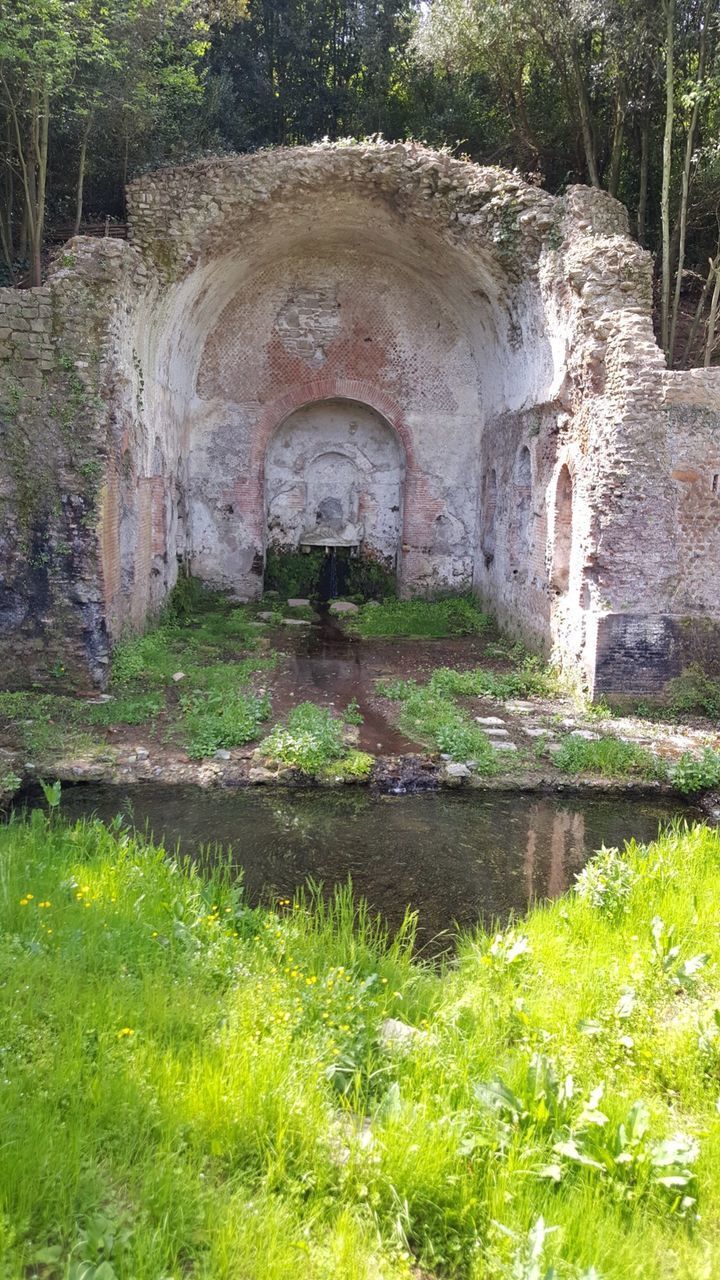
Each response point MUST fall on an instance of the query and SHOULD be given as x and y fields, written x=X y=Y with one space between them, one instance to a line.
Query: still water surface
x=456 y=859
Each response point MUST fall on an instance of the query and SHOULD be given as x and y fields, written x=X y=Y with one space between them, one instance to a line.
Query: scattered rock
x=295 y=622
x=490 y=720
x=343 y=606
x=395 y=1034
x=178 y=675
x=221 y=755
x=142 y=753
x=266 y=615
x=586 y=735
x=260 y=775
x=502 y=745
x=533 y=732
x=457 y=770
x=297 y=603
x=493 y=732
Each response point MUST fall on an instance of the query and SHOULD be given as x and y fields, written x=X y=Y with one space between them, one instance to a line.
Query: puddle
x=331 y=668
x=455 y=859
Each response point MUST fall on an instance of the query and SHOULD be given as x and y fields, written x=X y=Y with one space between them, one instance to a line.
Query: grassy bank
x=190 y=1087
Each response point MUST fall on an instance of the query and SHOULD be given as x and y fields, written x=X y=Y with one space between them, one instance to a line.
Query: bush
x=692 y=774
x=695 y=692
x=312 y=738
x=293 y=573
x=606 y=882
x=610 y=757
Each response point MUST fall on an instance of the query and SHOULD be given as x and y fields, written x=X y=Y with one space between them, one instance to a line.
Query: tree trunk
x=617 y=145
x=81 y=176
x=669 y=11
x=712 y=319
x=644 y=172
x=713 y=265
x=586 y=123
x=685 y=192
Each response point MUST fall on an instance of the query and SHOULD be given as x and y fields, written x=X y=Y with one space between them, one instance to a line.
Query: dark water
x=456 y=859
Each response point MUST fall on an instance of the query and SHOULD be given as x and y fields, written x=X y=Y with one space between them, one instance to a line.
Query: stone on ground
x=343 y=606
x=298 y=603
x=490 y=720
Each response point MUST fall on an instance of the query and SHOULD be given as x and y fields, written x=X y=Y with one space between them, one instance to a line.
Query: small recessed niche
x=716 y=482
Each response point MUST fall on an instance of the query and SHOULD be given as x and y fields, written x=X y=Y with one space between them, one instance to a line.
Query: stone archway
x=335 y=476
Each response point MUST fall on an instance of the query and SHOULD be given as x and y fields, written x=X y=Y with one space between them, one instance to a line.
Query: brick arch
x=275 y=411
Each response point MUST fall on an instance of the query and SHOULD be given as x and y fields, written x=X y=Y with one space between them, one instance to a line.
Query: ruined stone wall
x=501 y=338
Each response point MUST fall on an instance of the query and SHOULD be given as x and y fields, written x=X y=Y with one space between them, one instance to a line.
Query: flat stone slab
x=490 y=720
x=502 y=745
x=534 y=732
x=457 y=770
x=493 y=731
x=586 y=735
x=295 y=622
x=298 y=604
x=343 y=606
x=265 y=616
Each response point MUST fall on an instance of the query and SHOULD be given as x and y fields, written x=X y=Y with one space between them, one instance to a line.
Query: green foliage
x=691 y=774
x=9 y=781
x=293 y=573
x=454 y=616
x=610 y=757
x=694 y=692
x=311 y=739
x=189 y=598
x=369 y=580
x=431 y=717
x=553 y=1114
x=221 y=719
x=137 y=708
x=530 y=678
x=356 y=766
x=607 y=881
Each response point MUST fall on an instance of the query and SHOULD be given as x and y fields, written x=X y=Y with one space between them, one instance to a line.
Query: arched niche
x=562 y=530
x=334 y=476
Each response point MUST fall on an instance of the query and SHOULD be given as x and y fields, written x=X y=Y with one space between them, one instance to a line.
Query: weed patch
x=694 y=693
x=455 y=616
x=609 y=757
x=312 y=741
x=432 y=718
x=221 y=719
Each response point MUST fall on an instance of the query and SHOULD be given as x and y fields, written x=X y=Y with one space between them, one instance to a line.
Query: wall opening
x=563 y=530
x=489 y=514
x=334 y=478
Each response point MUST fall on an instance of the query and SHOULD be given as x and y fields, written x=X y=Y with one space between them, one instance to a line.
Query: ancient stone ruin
x=374 y=347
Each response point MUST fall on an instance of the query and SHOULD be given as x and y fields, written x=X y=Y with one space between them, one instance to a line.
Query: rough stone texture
x=367 y=344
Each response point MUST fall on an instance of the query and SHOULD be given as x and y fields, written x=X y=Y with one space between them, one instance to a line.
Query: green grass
x=609 y=757
x=221 y=719
x=194 y=1087
x=312 y=741
x=694 y=693
x=455 y=616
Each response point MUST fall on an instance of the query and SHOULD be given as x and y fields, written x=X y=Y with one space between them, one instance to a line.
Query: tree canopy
x=621 y=94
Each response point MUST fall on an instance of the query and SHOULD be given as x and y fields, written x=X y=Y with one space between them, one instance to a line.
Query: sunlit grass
x=189 y=1085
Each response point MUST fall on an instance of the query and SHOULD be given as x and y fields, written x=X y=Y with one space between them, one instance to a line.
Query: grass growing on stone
x=609 y=757
x=455 y=616
x=430 y=716
x=313 y=742
x=191 y=1086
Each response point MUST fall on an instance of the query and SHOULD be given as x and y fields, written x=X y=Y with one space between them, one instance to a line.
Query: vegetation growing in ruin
x=695 y=692
x=609 y=757
x=551 y=1108
x=454 y=616
x=313 y=741
x=293 y=573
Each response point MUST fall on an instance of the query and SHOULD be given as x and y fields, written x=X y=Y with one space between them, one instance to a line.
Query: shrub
x=692 y=774
x=695 y=692
x=610 y=757
x=606 y=882
x=354 y=767
x=293 y=573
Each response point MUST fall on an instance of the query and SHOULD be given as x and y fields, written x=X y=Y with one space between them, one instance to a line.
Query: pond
x=455 y=859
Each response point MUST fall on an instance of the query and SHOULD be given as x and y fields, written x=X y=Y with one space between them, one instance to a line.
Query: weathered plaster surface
x=438 y=355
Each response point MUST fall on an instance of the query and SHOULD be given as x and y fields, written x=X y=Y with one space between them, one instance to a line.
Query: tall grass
x=190 y=1086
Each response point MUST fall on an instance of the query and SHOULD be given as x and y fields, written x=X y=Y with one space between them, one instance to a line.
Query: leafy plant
x=691 y=774
x=607 y=881
x=293 y=573
x=694 y=692
x=135 y=708
x=213 y=720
